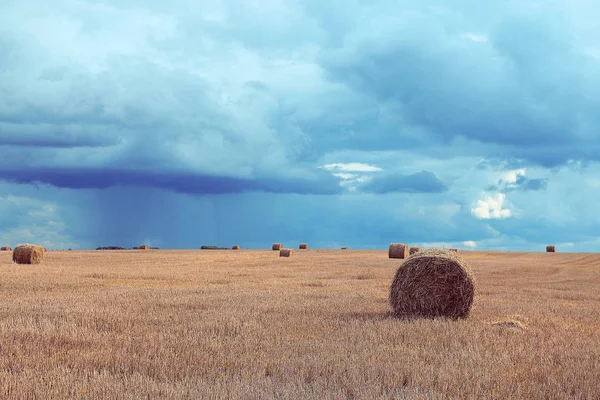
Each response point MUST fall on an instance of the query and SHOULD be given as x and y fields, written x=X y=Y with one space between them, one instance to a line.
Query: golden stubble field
x=249 y=324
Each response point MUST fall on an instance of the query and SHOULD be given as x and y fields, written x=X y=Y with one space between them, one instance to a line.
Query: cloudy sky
x=341 y=123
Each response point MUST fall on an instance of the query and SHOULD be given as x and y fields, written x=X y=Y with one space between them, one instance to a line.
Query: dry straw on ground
x=414 y=250
x=433 y=283
x=144 y=247
x=5 y=248
x=277 y=246
x=550 y=249
x=510 y=324
x=28 y=254
x=303 y=246
x=235 y=247
x=398 y=250
x=286 y=252
x=183 y=324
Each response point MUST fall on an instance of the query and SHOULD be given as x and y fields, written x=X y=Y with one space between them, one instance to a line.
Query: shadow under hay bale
x=28 y=254
x=235 y=247
x=286 y=253
x=398 y=250
x=550 y=249
x=303 y=246
x=433 y=283
x=5 y=248
x=413 y=250
x=277 y=246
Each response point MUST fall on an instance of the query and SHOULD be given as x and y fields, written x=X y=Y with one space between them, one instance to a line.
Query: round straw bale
x=5 y=248
x=344 y=248
x=413 y=250
x=143 y=247
x=454 y=250
x=235 y=247
x=398 y=250
x=286 y=252
x=28 y=254
x=303 y=246
x=550 y=249
x=277 y=246
x=433 y=283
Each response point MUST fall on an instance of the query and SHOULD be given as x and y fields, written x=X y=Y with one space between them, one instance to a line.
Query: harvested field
x=248 y=324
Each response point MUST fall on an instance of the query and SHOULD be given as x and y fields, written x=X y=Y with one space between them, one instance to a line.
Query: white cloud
x=352 y=173
x=350 y=181
x=345 y=176
x=511 y=177
x=470 y=243
x=351 y=167
x=491 y=208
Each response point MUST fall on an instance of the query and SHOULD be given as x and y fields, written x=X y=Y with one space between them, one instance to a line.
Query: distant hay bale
x=550 y=249
x=143 y=247
x=433 y=283
x=286 y=252
x=277 y=246
x=454 y=250
x=413 y=250
x=28 y=254
x=5 y=248
x=398 y=250
x=344 y=248
x=235 y=247
x=303 y=246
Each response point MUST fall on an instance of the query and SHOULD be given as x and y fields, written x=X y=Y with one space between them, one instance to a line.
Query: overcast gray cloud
x=473 y=118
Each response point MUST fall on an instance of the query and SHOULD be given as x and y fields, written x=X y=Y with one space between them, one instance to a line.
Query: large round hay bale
x=303 y=246
x=277 y=246
x=398 y=250
x=235 y=247
x=143 y=247
x=5 y=248
x=413 y=250
x=286 y=252
x=28 y=254
x=433 y=283
x=550 y=249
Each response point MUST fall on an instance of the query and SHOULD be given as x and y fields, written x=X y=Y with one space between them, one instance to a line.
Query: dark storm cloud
x=177 y=181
